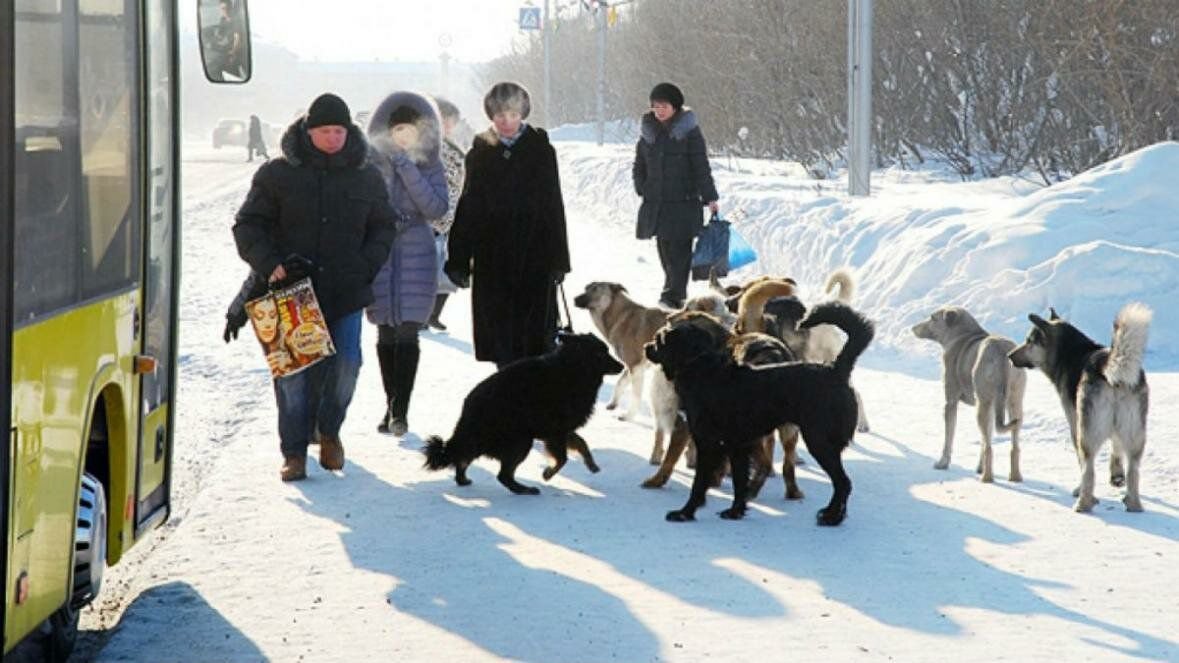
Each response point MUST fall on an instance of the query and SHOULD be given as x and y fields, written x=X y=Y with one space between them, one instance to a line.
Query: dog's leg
x=636 y=392
x=762 y=458
x=1016 y=385
x=691 y=455
x=578 y=444
x=1086 y=454
x=657 y=450
x=789 y=435
x=950 y=415
x=460 y=473
x=1117 y=474
x=507 y=468
x=861 y=417
x=832 y=464
x=739 y=461
x=556 y=451
x=619 y=384
x=1134 y=448
x=710 y=458
x=985 y=414
x=680 y=438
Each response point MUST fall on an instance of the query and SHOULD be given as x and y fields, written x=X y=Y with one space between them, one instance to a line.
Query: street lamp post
x=859 y=96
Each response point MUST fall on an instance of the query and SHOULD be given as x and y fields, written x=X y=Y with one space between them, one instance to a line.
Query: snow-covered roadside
x=387 y=561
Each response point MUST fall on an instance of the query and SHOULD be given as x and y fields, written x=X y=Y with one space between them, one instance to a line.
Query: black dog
x=730 y=407
x=543 y=398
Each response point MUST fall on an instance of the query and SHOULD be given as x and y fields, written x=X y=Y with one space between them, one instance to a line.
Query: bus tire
x=89 y=542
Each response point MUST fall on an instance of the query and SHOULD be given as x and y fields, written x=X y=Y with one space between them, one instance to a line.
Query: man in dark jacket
x=509 y=235
x=672 y=175
x=323 y=201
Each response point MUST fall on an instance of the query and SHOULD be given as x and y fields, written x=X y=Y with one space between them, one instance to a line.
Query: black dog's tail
x=437 y=454
x=859 y=332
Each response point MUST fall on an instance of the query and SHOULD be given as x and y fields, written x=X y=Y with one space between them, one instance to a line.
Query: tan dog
x=751 y=306
x=627 y=326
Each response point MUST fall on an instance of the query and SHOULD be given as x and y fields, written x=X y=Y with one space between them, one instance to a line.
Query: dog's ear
x=617 y=288
x=1039 y=322
x=1052 y=315
x=951 y=317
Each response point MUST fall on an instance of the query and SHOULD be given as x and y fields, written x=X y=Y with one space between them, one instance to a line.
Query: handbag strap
x=568 y=326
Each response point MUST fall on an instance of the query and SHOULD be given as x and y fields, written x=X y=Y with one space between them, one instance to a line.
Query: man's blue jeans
x=318 y=398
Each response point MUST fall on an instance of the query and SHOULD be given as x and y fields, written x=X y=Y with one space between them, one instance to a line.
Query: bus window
x=46 y=157
x=225 y=40
x=106 y=82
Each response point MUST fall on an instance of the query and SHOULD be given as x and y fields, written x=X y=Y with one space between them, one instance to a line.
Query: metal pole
x=548 y=114
x=601 y=18
x=859 y=96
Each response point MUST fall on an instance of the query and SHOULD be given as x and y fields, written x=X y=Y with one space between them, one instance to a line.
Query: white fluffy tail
x=843 y=278
x=1129 y=344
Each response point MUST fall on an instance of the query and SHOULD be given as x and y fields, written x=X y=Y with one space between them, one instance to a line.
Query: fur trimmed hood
x=426 y=151
x=681 y=124
x=297 y=148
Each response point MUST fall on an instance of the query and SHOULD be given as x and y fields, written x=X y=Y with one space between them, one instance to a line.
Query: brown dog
x=751 y=306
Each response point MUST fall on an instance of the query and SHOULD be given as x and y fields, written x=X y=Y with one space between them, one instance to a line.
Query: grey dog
x=976 y=371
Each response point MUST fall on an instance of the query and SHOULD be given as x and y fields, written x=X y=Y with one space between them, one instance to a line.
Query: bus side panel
x=89 y=347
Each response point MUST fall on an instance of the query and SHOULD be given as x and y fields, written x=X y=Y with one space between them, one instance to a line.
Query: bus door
x=7 y=91
x=160 y=263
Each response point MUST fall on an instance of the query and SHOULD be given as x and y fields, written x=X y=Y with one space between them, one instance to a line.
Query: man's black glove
x=558 y=277
x=297 y=268
x=457 y=275
x=234 y=321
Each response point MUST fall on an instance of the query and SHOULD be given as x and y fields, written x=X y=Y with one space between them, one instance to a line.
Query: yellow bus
x=89 y=283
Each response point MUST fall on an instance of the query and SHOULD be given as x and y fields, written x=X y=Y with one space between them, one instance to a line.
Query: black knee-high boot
x=405 y=371
x=439 y=302
x=387 y=358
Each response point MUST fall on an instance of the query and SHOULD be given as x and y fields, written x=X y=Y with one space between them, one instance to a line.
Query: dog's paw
x=548 y=473
x=529 y=490
x=462 y=481
x=942 y=464
x=829 y=517
x=1015 y=477
x=679 y=516
x=592 y=467
x=732 y=513
x=863 y=428
x=794 y=493
x=654 y=482
x=1084 y=504
x=1117 y=480
x=987 y=478
x=611 y=406
x=1133 y=504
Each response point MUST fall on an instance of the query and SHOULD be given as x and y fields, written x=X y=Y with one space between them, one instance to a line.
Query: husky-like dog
x=1103 y=392
x=976 y=371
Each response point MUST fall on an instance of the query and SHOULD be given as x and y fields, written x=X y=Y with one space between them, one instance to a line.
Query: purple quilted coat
x=404 y=289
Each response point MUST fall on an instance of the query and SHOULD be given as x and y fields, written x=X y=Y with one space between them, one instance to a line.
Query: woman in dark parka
x=508 y=240
x=672 y=175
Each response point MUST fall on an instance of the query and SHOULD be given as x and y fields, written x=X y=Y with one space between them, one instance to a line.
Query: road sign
x=530 y=18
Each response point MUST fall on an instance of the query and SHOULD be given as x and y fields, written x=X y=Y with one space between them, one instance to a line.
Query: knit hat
x=328 y=109
x=668 y=93
x=404 y=115
x=507 y=96
x=446 y=108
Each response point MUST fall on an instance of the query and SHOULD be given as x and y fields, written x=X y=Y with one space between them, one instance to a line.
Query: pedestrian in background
x=452 y=162
x=508 y=240
x=673 y=177
x=406 y=133
x=254 y=141
x=324 y=206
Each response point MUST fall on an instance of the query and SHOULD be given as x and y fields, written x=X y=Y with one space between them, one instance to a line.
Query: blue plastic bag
x=740 y=252
x=712 y=250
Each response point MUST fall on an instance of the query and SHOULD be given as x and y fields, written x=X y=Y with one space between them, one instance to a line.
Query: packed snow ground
x=386 y=561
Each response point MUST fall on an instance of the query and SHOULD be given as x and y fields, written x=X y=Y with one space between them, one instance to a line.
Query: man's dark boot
x=404 y=373
x=439 y=302
x=387 y=358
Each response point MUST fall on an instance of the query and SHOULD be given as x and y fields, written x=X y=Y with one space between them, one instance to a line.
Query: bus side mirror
x=225 y=40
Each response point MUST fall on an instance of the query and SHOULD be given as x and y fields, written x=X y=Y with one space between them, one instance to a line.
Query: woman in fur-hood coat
x=405 y=132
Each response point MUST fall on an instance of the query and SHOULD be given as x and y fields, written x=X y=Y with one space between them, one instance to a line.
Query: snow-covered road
x=385 y=561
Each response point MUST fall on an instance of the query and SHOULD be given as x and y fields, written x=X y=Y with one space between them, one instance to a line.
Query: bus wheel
x=89 y=542
x=89 y=562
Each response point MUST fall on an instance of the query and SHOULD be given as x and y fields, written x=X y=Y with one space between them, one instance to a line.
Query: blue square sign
x=530 y=18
